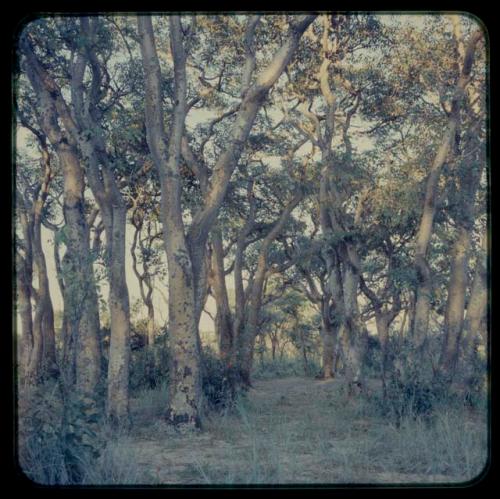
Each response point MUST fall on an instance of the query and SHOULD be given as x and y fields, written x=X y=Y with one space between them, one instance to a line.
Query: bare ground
x=291 y=430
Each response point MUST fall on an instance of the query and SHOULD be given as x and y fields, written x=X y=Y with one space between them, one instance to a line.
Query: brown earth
x=291 y=430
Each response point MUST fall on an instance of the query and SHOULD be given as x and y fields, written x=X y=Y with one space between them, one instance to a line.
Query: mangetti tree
x=186 y=249
x=314 y=181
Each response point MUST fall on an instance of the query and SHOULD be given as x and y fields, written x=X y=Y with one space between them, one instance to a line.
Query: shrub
x=57 y=440
x=40 y=446
x=149 y=365
x=285 y=366
x=220 y=383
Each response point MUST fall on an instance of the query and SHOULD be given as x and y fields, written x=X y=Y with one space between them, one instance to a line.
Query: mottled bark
x=253 y=98
x=25 y=340
x=423 y=289
x=254 y=304
x=187 y=255
x=329 y=333
x=475 y=317
x=90 y=136
x=43 y=364
x=223 y=318
x=24 y=279
x=80 y=297
x=353 y=338
x=341 y=260
x=185 y=371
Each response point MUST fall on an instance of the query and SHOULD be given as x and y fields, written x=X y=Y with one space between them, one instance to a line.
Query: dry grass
x=295 y=431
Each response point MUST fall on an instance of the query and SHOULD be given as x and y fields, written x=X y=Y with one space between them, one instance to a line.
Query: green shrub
x=149 y=365
x=41 y=451
x=283 y=367
x=220 y=384
x=58 y=439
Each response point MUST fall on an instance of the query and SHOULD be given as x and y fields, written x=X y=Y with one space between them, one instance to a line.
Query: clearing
x=297 y=431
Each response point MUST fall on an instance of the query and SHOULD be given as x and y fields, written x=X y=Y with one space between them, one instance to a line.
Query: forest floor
x=297 y=431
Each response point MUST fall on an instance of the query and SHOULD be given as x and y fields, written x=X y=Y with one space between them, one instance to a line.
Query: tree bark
x=254 y=304
x=24 y=279
x=457 y=287
x=43 y=364
x=423 y=288
x=80 y=297
x=223 y=318
x=329 y=331
x=186 y=255
x=475 y=318
x=25 y=341
x=253 y=98
x=185 y=370
x=89 y=134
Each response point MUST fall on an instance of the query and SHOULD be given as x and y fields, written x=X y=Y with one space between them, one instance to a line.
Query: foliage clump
x=220 y=383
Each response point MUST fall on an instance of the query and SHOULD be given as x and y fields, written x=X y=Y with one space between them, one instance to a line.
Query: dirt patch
x=291 y=430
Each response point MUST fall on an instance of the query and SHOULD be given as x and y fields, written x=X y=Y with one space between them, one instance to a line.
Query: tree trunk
x=328 y=336
x=475 y=317
x=423 y=288
x=455 y=306
x=382 y=322
x=25 y=341
x=354 y=342
x=43 y=364
x=223 y=318
x=113 y=213
x=457 y=287
x=185 y=370
x=186 y=255
x=24 y=286
x=80 y=297
x=254 y=304
x=151 y=324
x=119 y=348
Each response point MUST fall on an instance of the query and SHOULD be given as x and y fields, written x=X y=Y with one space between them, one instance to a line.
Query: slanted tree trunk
x=185 y=375
x=423 y=289
x=43 y=364
x=475 y=317
x=24 y=279
x=252 y=100
x=90 y=137
x=186 y=255
x=80 y=297
x=223 y=318
x=254 y=304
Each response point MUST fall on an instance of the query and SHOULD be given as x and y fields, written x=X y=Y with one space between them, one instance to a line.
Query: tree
x=186 y=253
x=80 y=298
x=423 y=289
